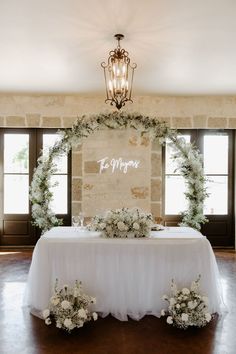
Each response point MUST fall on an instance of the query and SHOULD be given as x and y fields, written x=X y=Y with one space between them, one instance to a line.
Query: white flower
x=93 y=300
x=172 y=301
x=173 y=288
x=165 y=297
x=48 y=321
x=46 y=313
x=55 y=300
x=184 y=317
x=76 y=292
x=121 y=226
x=169 y=320
x=185 y=291
x=192 y=304
x=95 y=316
x=163 y=313
x=109 y=228
x=102 y=226
x=178 y=306
x=194 y=286
x=208 y=317
x=58 y=324
x=136 y=226
x=65 y=304
x=68 y=323
x=82 y=313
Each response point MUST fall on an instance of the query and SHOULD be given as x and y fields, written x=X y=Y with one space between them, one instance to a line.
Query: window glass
x=175 y=201
x=170 y=163
x=216 y=154
x=60 y=191
x=16 y=153
x=59 y=202
x=217 y=202
x=61 y=162
x=16 y=194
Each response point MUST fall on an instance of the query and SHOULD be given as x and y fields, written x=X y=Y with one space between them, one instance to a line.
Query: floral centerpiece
x=187 y=307
x=69 y=307
x=123 y=223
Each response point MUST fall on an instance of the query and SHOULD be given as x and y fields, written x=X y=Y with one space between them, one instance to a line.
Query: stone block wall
x=60 y=111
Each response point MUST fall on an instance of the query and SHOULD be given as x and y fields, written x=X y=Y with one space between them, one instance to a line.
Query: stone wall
x=60 y=111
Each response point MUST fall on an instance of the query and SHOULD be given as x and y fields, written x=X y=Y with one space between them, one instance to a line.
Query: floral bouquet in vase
x=187 y=307
x=123 y=223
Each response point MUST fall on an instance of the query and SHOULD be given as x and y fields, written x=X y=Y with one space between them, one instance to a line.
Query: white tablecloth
x=127 y=276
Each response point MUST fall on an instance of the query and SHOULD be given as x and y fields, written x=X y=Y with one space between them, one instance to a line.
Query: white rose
x=169 y=320
x=192 y=304
x=136 y=226
x=121 y=226
x=185 y=291
x=65 y=304
x=95 y=316
x=48 y=321
x=163 y=313
x=46 y=313
x=82 y=313
x=184 y=317
x=55 y=300
x=208 y=317
x=68 y=323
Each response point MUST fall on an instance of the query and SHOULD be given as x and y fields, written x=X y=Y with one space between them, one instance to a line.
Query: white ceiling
x=56 y=46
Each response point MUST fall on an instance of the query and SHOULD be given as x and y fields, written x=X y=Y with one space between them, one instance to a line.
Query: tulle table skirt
x=127 y=276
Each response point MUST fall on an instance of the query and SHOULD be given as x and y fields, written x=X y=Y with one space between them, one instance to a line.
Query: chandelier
x=118 y=74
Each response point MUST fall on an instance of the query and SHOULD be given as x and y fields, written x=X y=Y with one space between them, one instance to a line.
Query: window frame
x=210 y=228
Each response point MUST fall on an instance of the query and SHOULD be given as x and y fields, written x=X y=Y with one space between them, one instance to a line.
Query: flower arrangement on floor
x=187 y=307
x=123 y=223
x=69 y=307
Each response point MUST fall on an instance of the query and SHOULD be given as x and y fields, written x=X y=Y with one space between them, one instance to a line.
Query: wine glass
x=81 y=218
x=75 y=221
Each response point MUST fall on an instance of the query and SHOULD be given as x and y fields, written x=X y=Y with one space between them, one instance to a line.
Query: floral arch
x=189 y=163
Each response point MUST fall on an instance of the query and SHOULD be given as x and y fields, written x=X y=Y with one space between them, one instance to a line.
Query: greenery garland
x=189 y=163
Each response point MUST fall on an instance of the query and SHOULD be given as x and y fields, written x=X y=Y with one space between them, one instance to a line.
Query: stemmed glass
x=75 y=221
x=81 y=218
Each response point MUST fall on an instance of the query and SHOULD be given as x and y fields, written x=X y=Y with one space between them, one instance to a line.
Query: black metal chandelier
x=118 y=74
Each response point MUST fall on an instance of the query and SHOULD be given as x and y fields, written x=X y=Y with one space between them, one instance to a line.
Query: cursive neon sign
x=117 y=164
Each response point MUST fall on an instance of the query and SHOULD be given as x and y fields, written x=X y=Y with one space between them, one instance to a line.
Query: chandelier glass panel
x=118 y=73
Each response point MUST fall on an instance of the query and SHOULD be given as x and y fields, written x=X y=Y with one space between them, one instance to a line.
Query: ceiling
x=181 y=47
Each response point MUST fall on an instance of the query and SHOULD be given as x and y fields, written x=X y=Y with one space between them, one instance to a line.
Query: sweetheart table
x=127 y=276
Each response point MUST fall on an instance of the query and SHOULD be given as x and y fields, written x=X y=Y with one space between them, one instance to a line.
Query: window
x=175 y=203
x=218 y=154
x=19 y=150
x=215 y=150
x=59 y=179
x=16 y=173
